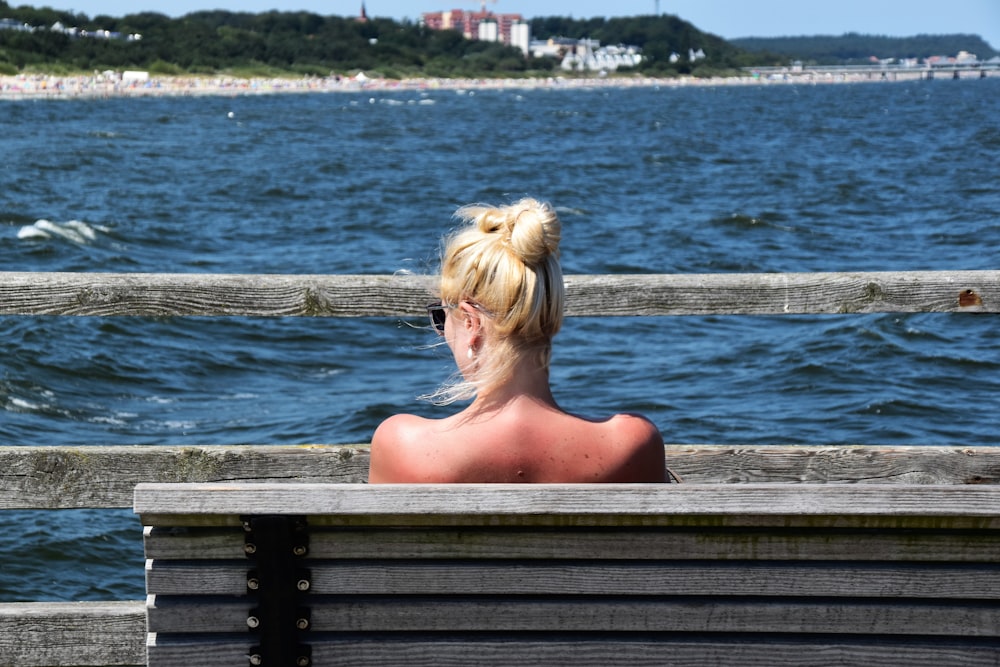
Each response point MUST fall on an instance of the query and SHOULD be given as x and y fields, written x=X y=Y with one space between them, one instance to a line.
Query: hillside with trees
x=306 y=43
x=302 y=43
x=662 y=39
x=854 y=48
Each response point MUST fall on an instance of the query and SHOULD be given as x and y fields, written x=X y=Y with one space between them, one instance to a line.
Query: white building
x=589 y=55
x=488 y=31
x=520 y=36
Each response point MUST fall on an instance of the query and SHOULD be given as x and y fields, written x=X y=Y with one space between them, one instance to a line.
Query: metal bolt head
x=302 y=624
x=299 y=550
x=250 y=548
x=303 y=661
x=253 y=621
x=302 y=584
x=253 y=584
x=255 y=659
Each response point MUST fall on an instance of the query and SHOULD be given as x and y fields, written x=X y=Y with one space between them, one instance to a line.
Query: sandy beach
x=107 y=85
x=34 y=86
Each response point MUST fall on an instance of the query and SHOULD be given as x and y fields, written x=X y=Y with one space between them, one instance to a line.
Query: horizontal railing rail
x=57 y=477
x=400 y=295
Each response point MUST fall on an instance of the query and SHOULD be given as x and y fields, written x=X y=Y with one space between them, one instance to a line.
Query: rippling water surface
x=867 y=177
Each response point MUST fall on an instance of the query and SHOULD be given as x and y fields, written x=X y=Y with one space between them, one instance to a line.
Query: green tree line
x=854 y=48
x=307 y=43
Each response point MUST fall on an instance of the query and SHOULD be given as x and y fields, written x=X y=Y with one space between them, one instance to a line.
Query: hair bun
x=529 y=227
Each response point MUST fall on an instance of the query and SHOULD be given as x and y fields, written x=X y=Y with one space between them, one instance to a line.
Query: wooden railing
x=105 y=294
x=93 y=475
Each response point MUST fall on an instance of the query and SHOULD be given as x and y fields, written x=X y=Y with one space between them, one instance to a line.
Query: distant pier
x=971 y=70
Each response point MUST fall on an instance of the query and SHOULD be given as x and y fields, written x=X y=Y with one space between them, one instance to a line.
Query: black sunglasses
x=438 y=312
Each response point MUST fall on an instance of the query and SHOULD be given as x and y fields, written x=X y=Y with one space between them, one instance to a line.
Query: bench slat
x=594 y=651
x=662 y=543
x=600 y=614
x=596 y=578
x=813 y=505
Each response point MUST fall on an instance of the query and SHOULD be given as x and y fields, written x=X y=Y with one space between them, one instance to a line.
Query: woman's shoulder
x=399 y=428
x=640 y=447
x=631 y=427
x=392 y=454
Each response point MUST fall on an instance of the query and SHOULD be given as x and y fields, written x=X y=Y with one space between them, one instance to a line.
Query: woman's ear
x=471 y=318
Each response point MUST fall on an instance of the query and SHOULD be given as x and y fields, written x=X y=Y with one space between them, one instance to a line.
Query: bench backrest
x=754 y=574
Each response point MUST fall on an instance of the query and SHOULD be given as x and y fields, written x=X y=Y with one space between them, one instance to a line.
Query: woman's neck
x=528 y=381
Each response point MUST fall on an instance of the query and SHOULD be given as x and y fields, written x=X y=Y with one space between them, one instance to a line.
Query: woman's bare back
x=525 y=441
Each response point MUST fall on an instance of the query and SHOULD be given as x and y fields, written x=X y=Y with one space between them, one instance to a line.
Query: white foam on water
x=20 y=405
x=107 y=420
x=73 y=231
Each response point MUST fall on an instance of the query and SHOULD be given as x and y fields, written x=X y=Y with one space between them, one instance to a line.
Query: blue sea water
x=853 y=177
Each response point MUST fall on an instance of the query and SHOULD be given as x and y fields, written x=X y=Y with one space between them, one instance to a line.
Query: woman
x=501 y=303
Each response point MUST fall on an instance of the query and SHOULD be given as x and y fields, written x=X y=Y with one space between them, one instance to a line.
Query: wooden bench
x=689 y=574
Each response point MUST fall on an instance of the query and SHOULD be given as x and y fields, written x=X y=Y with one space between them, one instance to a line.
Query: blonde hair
x=506 y=261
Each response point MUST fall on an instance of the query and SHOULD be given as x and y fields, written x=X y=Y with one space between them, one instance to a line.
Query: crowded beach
x=142 y=84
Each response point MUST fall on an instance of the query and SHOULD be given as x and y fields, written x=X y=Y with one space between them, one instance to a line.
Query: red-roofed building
x=478 y=25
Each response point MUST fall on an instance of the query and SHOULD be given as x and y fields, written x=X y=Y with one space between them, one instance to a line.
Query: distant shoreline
x=43 y=86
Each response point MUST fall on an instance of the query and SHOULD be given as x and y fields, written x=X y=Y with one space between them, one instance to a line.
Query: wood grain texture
x=612 y=614
x=594 y=651
x=711 y=542
x=858 y=464
x=36 y=634
x=812 y=505
x=104 y=476
x=631 y=577
x=186 y=294
x=272 y=295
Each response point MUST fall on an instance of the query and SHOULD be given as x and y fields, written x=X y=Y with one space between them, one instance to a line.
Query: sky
x=726 y=18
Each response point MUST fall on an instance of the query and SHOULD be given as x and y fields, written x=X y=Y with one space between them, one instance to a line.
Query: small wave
x=20 y=405
x=108 y=421
x=161 y=400
x=73 y=231
x=742 y=221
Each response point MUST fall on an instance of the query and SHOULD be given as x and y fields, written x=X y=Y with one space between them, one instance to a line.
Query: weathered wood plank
x=405 y=294
x=860 y=464
x=783 y=293
x=812 y=505
x=602 y=614
x=662 y=577
x=595 y=651
x=37 y=634
x=104 y=476
x=184 y=294
x=547 y=542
